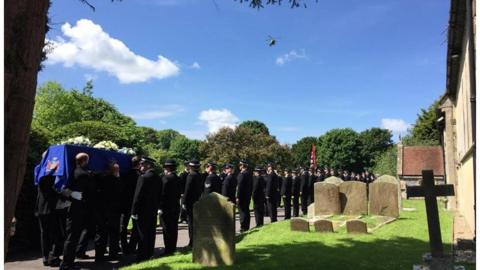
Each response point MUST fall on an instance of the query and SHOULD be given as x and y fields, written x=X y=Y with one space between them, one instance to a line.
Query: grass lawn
x=397 y=245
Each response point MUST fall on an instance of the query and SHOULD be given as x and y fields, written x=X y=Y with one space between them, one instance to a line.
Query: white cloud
x=161 y=113
x=395 y=125
x=195 y=65
x=292 y=55
x=90 y=77
x=217 y=119
x=90 y=47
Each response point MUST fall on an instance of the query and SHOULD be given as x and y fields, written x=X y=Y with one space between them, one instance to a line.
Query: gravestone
x=323 y=225
x=333 y=180
x=214 y=231
x=353 y=198
x=391 y=179
x=356 y=226
x=327 y=200
x=384 y=199
x=299 y=225
x=311 y=211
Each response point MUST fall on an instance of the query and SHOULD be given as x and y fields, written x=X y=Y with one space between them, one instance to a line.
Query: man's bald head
x=81 y=159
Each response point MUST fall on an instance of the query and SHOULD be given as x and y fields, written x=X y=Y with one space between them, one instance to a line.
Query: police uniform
x=287 y=195
x=193 y=191
x=170 y=209
x=296 y=195
x=229 y=185
x=271 y=194
x=258 y=196
x=244 y=194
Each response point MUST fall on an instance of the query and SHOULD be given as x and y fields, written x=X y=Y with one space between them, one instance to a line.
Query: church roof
x=418 y=158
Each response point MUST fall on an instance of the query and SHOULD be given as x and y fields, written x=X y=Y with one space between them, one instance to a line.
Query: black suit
x=193 y=191
x=51 y=231
x=304 y=191
x=78 y=214
x=271 y=194
x=171 y=188
x=229 y=186
x=212 y=184
x=244 y=194
x=296 y=195
x=128 y=191
x=287 y=195
x=311 y=182
x=144 y=206
x=258 y=196
x=183 y=180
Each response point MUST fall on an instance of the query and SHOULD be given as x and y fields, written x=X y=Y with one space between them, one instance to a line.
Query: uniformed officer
x=271 y=192
x=229 y=184
x=212 y=182
x=183 y=180
x=312 y=178
x=145 y=206
x=244 y=195
x=296 y=192
x=169 y=209
x=304 y=190
x=129 y=185
x=108 y=213
x=258 y=195
x=193 y=191
x=286 y=192
x=79 y=191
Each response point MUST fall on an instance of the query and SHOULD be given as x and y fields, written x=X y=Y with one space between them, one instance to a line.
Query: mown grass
x=397 y=245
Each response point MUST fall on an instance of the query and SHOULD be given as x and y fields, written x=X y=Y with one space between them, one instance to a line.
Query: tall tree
x=256 y=126
x=374 y=142
x=425 y=130
x=301 y=151
x=165 y=138
x=340 y=149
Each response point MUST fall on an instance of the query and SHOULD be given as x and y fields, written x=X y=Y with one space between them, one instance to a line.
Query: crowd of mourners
x=99 y=206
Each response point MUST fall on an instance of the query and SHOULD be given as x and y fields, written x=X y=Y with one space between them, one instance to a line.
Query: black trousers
x=51 y=237
x=108 y=231
x=77 y=215
x=287 y=202
x=259 y=212
x=189 y=213
x=296 y=206
x=128 y=245
x=272 y=209
x=170 y=230
x=304 y=199
x=146 y=228
x=310 y=197
x=88 y=231
x=244 y=213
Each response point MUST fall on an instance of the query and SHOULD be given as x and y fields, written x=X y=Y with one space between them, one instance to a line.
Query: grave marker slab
x=323 y=225
x=356 y=226
x=353 y=198
x=299 y=225
x=327 y=200
x=384 y=199
x=333 y=180
x=214 y=231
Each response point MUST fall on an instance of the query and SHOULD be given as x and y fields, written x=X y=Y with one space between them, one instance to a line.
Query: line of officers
x=100 y=205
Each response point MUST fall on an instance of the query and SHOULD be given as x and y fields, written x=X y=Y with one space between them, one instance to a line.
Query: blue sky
x=336 y=64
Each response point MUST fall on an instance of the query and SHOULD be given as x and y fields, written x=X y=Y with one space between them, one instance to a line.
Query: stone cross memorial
x=214 y=231
x=430 y=191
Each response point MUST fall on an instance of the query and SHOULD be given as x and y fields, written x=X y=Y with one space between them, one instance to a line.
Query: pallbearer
x=258 y=195
x=169 y=209
x=129 y=184
x=244 y=194
x=296 y=193
x=229 y=184
x=271 y=192
x=287 y=192
x=193 y=191
x=212 y=181
x=145 y=206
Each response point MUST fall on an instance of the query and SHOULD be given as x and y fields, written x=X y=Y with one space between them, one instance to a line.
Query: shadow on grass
x=348 y=253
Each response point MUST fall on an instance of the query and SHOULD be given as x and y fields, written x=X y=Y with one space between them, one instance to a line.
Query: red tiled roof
x=418 y=158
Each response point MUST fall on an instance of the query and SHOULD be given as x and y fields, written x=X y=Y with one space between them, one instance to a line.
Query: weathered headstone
x=391 y=179
x=356 y=226
x=311 y=211
x=384 y=199
x=353 y=198
x=323 y=225
x=333 y=180
x=299 y=224
x=214 y=231
x=327 y=200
